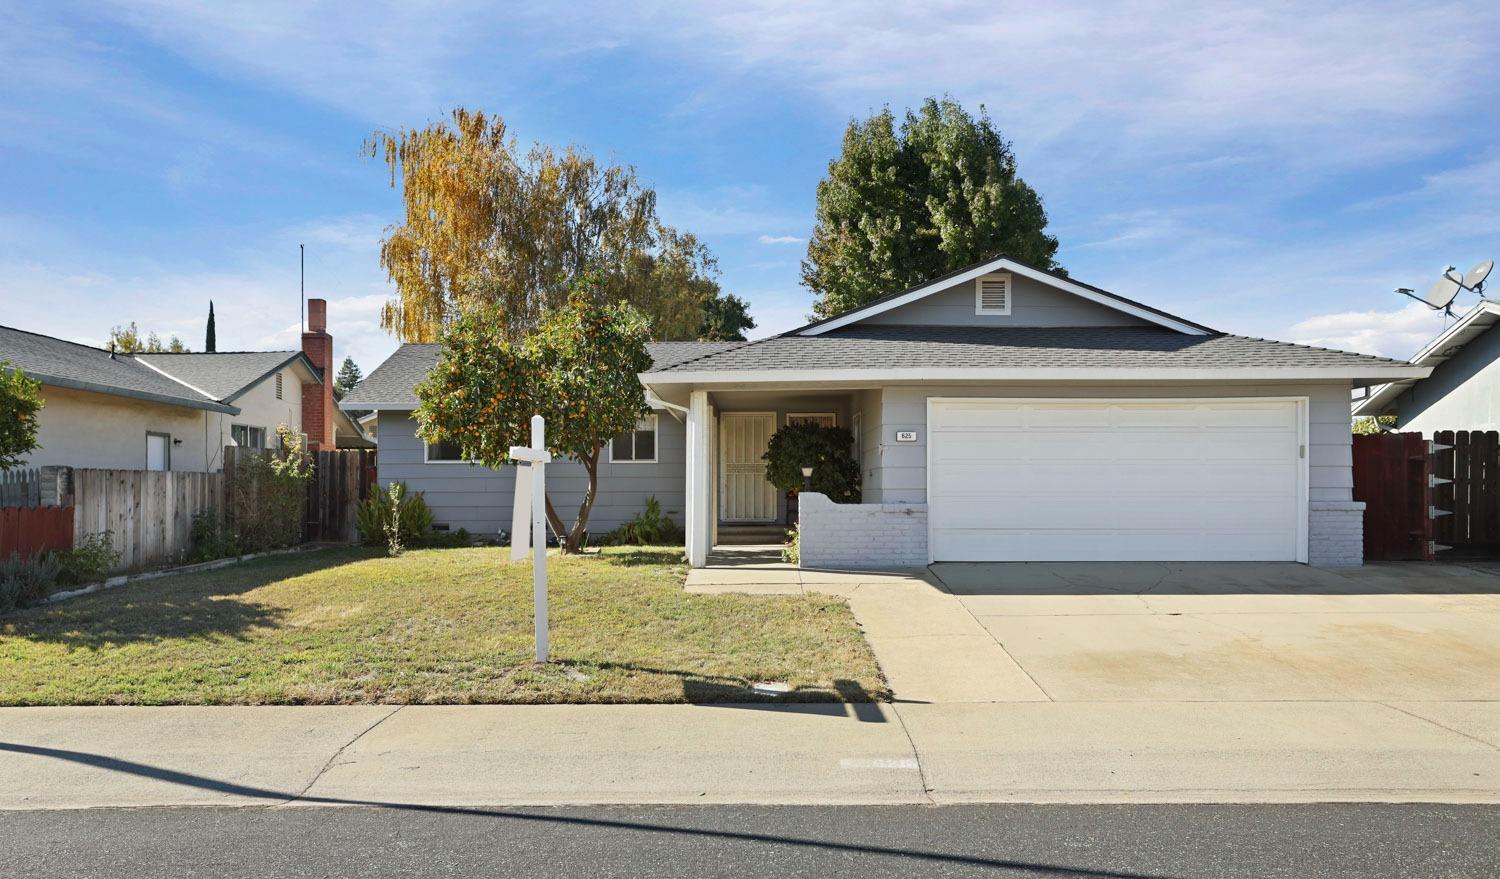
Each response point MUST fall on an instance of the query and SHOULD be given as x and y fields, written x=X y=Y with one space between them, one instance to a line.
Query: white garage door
x=1127 y=480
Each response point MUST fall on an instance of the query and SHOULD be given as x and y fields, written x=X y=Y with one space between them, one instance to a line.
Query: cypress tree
x=209 y=342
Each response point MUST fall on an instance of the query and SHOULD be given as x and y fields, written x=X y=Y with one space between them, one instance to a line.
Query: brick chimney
x=317 y=399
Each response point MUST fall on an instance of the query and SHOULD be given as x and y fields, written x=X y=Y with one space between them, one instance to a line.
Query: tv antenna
x=1440 y=296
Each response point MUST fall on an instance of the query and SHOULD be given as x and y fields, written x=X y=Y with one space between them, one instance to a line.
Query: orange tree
x=577 y=369
x=20 y=399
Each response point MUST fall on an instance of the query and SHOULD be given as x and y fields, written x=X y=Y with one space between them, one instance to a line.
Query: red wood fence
x=29 y=531
x=1391 y=476
x=1473 y=496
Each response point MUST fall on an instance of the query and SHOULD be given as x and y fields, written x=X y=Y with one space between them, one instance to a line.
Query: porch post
x=699 y=507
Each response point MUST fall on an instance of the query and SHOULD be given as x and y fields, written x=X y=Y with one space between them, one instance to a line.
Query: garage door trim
x=1304 y=454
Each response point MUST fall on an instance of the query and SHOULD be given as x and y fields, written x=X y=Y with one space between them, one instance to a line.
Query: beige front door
x=744 y=493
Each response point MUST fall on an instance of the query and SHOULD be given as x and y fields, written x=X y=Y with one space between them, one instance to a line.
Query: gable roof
x=226 y=375
x=1470 y=325
x=392 y=385
x=1002 y=263
x=869 y=352
x=81 y=367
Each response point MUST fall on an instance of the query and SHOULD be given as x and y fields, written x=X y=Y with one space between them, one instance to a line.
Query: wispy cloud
x=780 y=239
x=1389 y=333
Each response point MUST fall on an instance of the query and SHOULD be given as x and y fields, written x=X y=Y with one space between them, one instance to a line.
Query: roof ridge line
x=734 y=347
x=159 y=371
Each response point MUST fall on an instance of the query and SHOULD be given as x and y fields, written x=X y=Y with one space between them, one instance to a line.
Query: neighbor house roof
x=392 y=384
x=917 y=352
x=1470 y=325
x=81 y=367
x=228 y=374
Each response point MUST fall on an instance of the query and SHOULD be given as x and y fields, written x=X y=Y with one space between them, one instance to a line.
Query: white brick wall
x=1336 y=533
x=861 y=536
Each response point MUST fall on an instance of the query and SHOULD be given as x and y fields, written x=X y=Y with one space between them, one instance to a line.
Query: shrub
x=89 y=561
x=828 y=450
x=792 y=551
x=445 y=539
x=25 y=581
x=268 y=493
x=412 y=518
x=646 y=528
x=210 y=539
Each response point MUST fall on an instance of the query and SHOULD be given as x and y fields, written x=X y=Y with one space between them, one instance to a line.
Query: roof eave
x=94 y=387
x=316 y=374
x=1365 y=374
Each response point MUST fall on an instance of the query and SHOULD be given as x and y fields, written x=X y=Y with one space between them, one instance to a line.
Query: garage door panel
x=1101 y=480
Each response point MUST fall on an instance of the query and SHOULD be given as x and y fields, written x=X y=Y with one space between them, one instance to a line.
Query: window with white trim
x=442 y=453
x=636 y=446
x=992 y=294
x=824 y=419
x=248 y=437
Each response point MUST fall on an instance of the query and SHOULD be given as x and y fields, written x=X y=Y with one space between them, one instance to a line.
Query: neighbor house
x=1463 y=390
x=176 y=411
x=1000 y=412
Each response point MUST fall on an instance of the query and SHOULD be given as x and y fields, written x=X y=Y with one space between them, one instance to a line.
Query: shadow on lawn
x=192 y=605
x=709 y=689
x=644 y=556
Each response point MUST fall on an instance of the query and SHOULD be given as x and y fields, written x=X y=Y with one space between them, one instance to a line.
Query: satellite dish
x=1474 y=280
x=1442 y=293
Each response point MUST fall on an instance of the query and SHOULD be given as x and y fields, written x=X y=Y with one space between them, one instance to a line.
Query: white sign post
x=531 y=497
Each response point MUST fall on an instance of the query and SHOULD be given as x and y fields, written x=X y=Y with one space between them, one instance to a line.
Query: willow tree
x=490 y=226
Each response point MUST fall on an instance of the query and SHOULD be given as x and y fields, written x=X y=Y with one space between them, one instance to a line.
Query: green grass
x=348 y=626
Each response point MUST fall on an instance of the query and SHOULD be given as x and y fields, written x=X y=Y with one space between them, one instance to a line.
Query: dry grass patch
x=344 y=626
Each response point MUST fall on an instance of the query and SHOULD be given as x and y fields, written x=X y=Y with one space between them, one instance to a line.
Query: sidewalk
x=831 y=754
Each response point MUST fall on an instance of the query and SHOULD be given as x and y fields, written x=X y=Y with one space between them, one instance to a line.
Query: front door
x=744 y=493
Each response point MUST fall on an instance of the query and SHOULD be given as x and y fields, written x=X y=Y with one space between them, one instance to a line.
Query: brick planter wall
x=856 y=537
x=1336 y=533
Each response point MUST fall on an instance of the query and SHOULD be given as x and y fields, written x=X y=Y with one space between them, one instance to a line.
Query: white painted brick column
x=861 y=536
x=1336 y=533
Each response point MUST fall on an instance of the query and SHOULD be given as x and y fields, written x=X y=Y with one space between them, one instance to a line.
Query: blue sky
x=1268 y=170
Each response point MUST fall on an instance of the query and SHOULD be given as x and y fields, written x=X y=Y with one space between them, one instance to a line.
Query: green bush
x=89 y=561
x=25 y=581
x=828 y=450
x=413 y=519
x=646 y=528
x=445 y=539
x=210 y=539
x=268 y=495
x=792 y=551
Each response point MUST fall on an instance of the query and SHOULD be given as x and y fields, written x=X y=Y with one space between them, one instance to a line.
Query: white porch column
x=699 y=505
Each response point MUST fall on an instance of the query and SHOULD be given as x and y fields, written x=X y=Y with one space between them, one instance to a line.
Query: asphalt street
x=1110 y=842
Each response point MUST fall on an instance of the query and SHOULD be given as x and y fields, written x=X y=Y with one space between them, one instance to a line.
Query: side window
x=443 y=453
x=637 y=446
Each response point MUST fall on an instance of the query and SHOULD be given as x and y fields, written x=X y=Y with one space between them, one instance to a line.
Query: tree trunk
x=591 y=465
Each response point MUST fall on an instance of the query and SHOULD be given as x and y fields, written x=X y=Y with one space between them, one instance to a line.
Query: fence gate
x=341 y=481
x=1466 y=465
x=1392 y=476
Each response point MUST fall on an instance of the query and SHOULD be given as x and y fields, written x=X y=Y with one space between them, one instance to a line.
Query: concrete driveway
x=1238 y=632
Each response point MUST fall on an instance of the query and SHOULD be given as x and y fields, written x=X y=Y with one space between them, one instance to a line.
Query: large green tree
x=488 y=225
x=577 y=368
x=349 y=376
x=20 y=400
x=725 y=319
x=902 y=205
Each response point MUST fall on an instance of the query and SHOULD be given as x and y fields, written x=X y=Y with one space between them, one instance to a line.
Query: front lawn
x=345 y=626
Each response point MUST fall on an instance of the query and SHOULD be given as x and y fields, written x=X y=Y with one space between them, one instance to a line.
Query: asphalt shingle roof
x=67 y=364
x=898 y=347
x=394 y=381
x=221 y=375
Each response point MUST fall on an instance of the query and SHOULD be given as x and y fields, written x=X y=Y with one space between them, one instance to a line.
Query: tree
x=1378 y=424
x=128 y=340
x=349 y=376
x=725 y=319
x=828 y=450
x=901 y=207
x=489 y=226
x=20 y=400
x=210 y=339
x=577 y=369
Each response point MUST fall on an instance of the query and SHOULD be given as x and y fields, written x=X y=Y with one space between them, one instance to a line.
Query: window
x=826 y=419
x=278 y=386
x=637 y=446
x=443 y=453
x=992 y=294
x=158 y=451
x=247 y=436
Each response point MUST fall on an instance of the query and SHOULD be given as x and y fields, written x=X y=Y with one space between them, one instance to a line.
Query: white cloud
x=781 y=239
x=1388 y=333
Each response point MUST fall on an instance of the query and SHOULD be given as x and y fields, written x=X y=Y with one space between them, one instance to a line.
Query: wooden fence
x=341 y=481
x=1473 y=495
x=1391 y=476
x=21 y=488
x=28 y=531
x=148 y=513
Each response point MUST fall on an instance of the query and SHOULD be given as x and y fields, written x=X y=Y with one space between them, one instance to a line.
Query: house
x=1000 y=412
x=176 y=411
x=1463 y=390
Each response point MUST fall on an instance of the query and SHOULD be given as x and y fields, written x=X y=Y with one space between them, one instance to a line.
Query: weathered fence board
x=341 y=481
x=1391 y=478
x=1473 y=497
x=29 y=531
x=149 y=514
x=21 y=488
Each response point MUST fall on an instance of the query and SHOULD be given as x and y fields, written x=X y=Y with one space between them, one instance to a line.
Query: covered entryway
x=744 y=493
x=1117 y=480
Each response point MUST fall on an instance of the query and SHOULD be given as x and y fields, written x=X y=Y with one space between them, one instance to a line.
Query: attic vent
x=992 y=294
x=278 y=386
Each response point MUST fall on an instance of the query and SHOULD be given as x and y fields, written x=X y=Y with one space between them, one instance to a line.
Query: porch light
x=807 y=478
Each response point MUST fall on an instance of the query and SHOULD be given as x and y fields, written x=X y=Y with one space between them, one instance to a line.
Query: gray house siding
x=902 y=476
x=479 y=499
x=1032 y=305
x=1462 y=393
